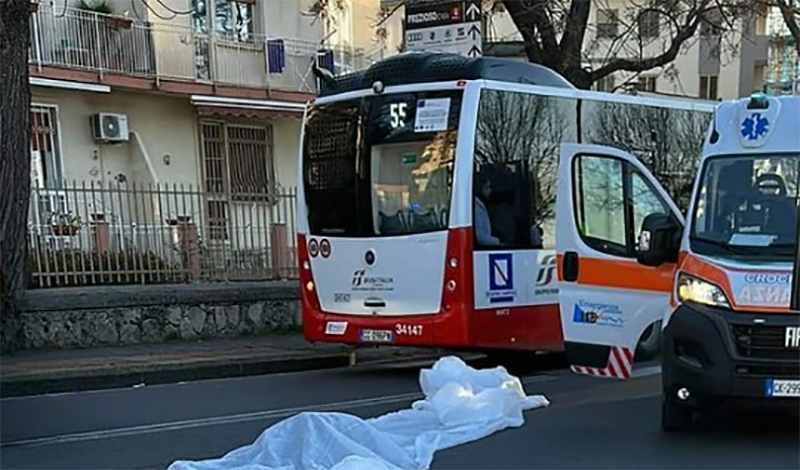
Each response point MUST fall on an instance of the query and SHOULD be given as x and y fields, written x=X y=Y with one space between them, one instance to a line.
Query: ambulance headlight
x=692 y=289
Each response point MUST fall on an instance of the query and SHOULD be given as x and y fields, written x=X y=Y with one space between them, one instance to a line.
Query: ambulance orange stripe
x=622 y=274
x=707 y=271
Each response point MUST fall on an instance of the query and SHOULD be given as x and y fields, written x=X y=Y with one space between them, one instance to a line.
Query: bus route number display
x=430 y=115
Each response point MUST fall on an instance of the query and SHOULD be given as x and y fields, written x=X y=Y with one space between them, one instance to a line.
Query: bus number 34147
x=408 y=330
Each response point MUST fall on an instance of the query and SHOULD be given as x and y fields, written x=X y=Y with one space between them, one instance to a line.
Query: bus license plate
x=783 y=388
x=377 y=336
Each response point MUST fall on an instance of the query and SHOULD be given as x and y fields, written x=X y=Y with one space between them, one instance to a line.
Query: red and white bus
x=426 y=199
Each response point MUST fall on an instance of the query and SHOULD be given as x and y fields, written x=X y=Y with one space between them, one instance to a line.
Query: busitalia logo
x=363 y=281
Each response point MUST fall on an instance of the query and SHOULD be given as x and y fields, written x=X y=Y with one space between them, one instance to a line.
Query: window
x=645 y=201
x=516 y=151
x=612 y=201
x=45 y=159
x=708 y=87
x=747 y=206
x=600 y=203
x=607 y=24
x=411 y=184
x=232 y=19
x=646 y=83
x=606 y=84
x=238 y=166
x=648 y=24
x=711 y=25
x=382 y=165
x=46 y=168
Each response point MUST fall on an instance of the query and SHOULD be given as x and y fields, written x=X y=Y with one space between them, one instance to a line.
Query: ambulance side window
x=613 y=199
x=600 y=203
x=646 y=201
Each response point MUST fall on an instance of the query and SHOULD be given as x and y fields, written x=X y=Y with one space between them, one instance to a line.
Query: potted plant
x=103 y=7
x=65 y=225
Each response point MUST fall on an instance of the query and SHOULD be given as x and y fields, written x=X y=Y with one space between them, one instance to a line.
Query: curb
x=167 y=374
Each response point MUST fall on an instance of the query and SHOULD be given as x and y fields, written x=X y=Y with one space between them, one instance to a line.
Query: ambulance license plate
x=783 y=388
x=377 y=336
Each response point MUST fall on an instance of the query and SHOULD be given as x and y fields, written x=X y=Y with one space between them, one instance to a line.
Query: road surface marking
x=231 y=419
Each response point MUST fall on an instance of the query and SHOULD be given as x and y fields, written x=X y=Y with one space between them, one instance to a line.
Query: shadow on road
x=517 y=363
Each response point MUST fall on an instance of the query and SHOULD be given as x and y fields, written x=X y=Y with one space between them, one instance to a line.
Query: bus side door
x=607 y=298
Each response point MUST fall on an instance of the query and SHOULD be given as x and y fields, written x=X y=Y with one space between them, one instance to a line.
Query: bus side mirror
x=659 y=240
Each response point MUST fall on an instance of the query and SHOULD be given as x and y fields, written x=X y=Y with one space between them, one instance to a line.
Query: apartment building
x=161 y=126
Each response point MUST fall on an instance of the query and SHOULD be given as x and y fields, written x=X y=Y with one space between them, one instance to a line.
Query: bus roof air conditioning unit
x=110 y=127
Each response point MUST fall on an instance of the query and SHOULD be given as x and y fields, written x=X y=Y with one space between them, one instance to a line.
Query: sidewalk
x=37 y=372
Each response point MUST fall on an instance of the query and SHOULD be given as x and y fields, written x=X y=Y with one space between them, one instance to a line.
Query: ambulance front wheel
x=675 y=417
x=649 y=346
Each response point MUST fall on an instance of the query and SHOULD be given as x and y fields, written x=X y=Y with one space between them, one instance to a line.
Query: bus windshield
x=748 y=208
x=381 y=165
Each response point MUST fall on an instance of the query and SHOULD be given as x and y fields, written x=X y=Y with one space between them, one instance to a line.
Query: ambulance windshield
x=748 y=207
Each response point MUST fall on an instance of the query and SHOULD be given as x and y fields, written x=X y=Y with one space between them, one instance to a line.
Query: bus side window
x=484 y=234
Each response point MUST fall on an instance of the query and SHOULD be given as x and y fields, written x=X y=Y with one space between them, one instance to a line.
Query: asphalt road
x=591 y=423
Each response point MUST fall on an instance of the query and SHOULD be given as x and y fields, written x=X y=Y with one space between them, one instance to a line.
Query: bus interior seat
x=424 y=221
x=392 y=225
x=781 y=212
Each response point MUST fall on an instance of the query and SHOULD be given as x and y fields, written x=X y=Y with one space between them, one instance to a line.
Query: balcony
x=104 y=45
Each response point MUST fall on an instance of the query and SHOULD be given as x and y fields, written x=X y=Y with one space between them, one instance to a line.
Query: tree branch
x=574 y=35
x=789 y=15
x=686 y=32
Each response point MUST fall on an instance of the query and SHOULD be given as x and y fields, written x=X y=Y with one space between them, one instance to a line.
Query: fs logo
x=547 y=271
x=358 y=277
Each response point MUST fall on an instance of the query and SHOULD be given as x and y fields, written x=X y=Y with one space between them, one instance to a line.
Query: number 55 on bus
x=426 y=208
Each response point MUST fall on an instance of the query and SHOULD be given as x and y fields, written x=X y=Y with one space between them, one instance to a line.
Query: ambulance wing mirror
x=659 y=240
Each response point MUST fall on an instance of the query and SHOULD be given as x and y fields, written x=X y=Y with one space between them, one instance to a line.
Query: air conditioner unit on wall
x=110 y=127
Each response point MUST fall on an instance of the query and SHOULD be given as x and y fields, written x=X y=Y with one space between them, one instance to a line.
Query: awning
x=238 y=107
x=68 y=85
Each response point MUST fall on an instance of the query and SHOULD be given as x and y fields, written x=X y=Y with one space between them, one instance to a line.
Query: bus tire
x=675 y=417
x=649 y=346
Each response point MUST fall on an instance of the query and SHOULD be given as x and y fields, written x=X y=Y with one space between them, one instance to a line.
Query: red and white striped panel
x=620 y=364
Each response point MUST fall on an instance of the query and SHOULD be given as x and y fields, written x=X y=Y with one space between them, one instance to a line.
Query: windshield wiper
x=736 y=249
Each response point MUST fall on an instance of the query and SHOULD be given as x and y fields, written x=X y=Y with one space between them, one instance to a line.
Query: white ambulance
x=723 y=280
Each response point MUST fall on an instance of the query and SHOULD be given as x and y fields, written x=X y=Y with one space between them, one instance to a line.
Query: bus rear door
x=607 y=298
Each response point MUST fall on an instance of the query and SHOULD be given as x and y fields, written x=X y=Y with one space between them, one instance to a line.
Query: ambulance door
x=609 y=293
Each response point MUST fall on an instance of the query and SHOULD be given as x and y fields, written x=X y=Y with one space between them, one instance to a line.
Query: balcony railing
x=90 y=234
x=82 y=40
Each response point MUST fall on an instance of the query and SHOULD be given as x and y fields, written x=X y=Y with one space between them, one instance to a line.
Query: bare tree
x=649 y=35
x=790 y=12
x=652 y=35
x=668 y=141
x=15 y=174
x=530 y=128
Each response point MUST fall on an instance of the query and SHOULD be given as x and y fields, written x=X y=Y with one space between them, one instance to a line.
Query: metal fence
x=85 y=233
x=85 y=40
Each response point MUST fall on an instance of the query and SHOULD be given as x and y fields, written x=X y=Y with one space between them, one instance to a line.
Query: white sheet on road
x=461 y=405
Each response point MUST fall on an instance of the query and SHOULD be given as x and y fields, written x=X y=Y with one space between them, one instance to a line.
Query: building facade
x=165 y=135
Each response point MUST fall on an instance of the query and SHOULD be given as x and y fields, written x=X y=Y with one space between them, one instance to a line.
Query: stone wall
x=113 y=316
